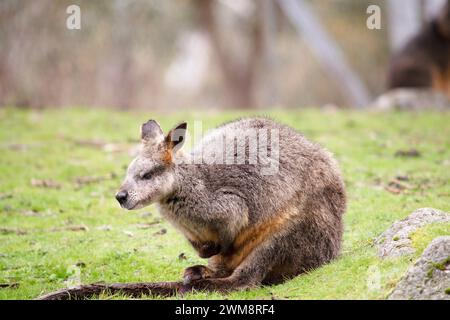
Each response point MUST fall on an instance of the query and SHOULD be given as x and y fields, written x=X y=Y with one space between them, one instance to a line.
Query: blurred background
x=215 y=54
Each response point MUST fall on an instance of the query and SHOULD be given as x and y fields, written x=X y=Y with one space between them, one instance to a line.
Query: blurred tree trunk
x=238 y=76
x=121 y=62
x=326 y=50
x=267 y=18
x=404 y=21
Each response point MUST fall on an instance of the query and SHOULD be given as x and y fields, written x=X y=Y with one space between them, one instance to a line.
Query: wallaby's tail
x=164 y=289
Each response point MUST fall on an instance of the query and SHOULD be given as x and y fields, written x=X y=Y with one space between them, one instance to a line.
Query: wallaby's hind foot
x=250 y=272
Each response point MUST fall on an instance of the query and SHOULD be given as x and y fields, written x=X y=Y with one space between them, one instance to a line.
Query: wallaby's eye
x=153 y=172
x=147 y=175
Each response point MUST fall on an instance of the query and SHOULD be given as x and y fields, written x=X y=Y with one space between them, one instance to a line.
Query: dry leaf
x=160 y=232
x=147 y=225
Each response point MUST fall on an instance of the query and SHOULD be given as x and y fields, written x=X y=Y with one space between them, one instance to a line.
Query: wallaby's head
x=151 y=176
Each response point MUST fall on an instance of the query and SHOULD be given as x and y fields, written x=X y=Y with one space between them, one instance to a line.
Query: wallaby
x=255 y=227
x=424 y=62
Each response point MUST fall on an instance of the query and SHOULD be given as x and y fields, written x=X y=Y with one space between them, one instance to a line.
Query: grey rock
x=411 y=99
x=429 y=278
x=396 y=240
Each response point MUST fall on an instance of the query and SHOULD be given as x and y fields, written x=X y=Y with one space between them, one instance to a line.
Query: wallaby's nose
x=122 y=196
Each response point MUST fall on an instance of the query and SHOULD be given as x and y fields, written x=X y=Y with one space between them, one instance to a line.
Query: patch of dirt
x=21 y=147
x=5 y=196
x=35 y=213
x=32 y=213
x=108 y=147
x=74 y=228
x=411 y=153
x=16 y=231
x=48 y=183
x=86 y=180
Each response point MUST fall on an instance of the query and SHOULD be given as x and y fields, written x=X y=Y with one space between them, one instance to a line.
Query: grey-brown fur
x=254 y=228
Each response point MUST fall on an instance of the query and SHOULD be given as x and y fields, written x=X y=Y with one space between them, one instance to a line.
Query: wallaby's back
x=304 y=167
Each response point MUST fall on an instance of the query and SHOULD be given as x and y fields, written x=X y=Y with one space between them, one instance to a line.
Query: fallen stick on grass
x=164 y=289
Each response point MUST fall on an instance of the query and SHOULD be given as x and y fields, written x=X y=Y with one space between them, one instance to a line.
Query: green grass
x=46 y=145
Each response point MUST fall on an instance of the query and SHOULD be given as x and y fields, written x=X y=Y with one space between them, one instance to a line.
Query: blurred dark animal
x=425 y=60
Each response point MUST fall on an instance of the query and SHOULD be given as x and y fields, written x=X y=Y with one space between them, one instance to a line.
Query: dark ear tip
x=150 y=129
x=182 y=125
x=151 y=121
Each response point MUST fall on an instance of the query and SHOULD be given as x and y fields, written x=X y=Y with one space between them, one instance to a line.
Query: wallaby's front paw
x=195 y=273
x=206 y=249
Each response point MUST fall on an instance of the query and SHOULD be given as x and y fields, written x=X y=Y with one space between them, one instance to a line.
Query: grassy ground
x=59 y=221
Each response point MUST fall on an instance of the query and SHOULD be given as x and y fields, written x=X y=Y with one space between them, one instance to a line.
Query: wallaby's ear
x=175 y=138
x=151 y=130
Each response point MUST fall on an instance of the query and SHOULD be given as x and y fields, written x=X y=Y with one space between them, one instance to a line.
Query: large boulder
x=396 y=241
x=429 y=278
